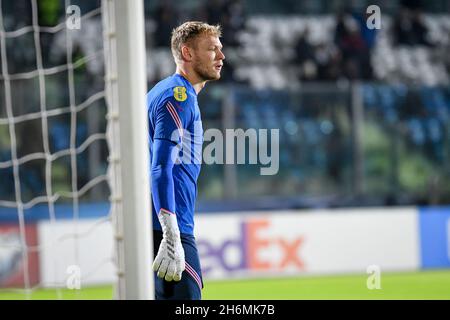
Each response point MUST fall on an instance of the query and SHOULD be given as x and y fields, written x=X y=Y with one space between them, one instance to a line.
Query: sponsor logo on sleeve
x=179 y=93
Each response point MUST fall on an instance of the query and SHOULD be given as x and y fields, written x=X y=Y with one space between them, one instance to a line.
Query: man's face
x=208 y=57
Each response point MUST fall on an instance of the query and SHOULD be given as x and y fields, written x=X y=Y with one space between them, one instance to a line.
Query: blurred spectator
x=328 y=60
x=368 y=35
x=402 y=28
x=419 y=29
x=229 y=14
x=305 y=56
x=304 y=51
x=443 y=51
x=166 y=18
x=409 y=28
x=214 y=11
x=354 y=48
x=233 y=21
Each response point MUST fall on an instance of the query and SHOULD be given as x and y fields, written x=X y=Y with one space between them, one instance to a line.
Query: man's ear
x=186 y=53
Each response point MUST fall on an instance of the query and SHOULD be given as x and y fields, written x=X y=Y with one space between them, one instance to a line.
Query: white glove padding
x=169 y=262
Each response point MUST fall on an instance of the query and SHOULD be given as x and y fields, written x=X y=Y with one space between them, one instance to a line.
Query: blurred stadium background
x=364 y=122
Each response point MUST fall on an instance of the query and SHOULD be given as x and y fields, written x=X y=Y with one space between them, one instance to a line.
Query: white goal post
x=126 y=88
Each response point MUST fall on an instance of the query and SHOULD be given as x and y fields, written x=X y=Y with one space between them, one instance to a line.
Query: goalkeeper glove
x=169 y=262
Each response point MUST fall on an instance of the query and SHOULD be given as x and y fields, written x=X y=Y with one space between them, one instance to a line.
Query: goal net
x=73 y=148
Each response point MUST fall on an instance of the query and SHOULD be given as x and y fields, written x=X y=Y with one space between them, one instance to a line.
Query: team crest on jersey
x=179 y=93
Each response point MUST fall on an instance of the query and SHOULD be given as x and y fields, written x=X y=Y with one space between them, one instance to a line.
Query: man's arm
x=162 y=179
x=169 y=262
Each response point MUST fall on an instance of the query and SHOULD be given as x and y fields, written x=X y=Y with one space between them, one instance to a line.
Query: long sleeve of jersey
x=163 y=192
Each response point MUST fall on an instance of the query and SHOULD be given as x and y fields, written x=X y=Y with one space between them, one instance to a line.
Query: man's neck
x=194 y=81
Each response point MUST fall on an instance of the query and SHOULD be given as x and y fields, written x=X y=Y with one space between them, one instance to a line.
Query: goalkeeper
x=175 y=128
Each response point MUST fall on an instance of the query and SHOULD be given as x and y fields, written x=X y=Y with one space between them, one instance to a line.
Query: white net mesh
x=54 y=148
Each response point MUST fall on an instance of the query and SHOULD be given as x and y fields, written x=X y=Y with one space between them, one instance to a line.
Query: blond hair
x=189 y=31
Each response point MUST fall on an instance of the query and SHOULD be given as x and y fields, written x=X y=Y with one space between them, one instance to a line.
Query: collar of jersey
x=186 y=81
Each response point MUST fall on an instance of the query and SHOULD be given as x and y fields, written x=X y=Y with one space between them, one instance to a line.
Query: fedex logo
x=251 y=249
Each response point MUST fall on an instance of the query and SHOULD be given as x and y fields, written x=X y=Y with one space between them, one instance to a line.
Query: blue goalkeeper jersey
x=174 y=119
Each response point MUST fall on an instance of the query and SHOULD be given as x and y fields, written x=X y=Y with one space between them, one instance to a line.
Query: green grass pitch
x=412 y=285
